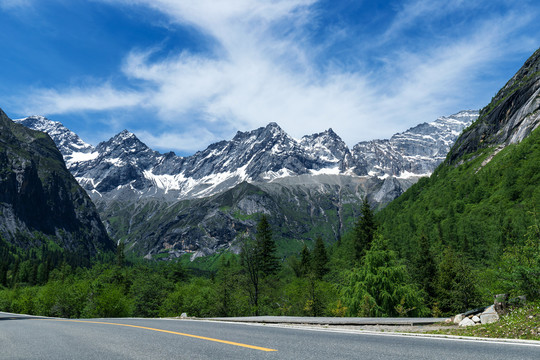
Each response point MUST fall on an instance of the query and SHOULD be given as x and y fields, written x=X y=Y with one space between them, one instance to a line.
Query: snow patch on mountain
x=267 y=154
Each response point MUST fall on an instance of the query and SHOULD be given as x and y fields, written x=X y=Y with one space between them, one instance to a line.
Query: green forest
x=447 y=245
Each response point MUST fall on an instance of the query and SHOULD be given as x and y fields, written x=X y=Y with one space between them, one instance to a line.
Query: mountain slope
x=39 y=197
x=485 y=197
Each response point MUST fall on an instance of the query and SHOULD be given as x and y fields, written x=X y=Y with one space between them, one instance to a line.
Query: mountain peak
x=274 y=129
x=125 y=134
x=126 y=138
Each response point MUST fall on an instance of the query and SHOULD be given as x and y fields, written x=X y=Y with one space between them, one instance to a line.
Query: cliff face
x=510 y=117
x=39 y=197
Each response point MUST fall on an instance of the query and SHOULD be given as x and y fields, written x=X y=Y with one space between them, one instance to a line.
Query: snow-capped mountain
x=124 y=164
x=72 y=147
x=416 y=151
x=166 y=204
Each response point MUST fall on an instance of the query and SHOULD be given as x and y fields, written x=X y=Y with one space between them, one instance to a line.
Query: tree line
x=361 y=275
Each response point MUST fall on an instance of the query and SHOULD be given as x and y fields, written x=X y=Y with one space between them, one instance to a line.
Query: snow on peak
x=263 y=154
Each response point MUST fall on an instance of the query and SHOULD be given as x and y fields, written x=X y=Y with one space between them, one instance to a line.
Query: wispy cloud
x=80 y=98
x=14 y=4
x=260 y=70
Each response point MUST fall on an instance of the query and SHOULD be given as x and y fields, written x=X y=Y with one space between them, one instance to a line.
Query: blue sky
x=183 y=74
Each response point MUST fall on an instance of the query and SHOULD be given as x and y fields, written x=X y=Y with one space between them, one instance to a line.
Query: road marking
x=169 y=332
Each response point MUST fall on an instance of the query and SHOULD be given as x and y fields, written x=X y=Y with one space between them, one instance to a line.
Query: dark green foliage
x=456 y=286
x=449 y=243
x=319 y=259
x=249 y=257
x=227 y=286
x=148 y=293
x=259 y=262
x=424 y=269
x=364 y=230
x=519 y=271
x=305 y=261
x=269 y=262
x=382 y=286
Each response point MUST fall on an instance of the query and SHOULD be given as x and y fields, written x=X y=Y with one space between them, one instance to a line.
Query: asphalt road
x=24 y=337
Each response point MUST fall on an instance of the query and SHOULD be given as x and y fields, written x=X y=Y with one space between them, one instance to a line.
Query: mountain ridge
x=263 y=154
x=166 y=204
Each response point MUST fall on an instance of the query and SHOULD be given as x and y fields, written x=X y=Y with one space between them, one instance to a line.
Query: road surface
x=23 y=337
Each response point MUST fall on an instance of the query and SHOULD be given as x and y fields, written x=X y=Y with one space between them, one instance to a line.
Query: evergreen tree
x=305 y=261
x=364 y=230
x=266 y=248
x=319 y=259
x=425 y=268
x=382 y=287
x=259 y=260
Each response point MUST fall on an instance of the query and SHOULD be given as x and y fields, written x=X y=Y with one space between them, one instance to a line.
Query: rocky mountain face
x=166 y=203
x=510 y=117
x=40 y=199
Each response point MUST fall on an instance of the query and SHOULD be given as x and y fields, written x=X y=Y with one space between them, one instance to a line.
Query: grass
x=518 y=323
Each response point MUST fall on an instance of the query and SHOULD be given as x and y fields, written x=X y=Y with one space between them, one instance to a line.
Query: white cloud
x=94 y=98
x=14 y=4
x=261 y=72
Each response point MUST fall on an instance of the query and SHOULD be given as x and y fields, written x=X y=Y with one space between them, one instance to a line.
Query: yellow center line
x=169 y=332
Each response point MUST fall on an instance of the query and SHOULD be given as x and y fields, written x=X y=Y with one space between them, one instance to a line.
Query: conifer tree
x=425 y=268
x=364 y=230
x=319 y=259
x=305 y=261
x=266 y=248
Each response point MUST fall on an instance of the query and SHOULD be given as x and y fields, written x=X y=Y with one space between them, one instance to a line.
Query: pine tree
x=425 y=267
x=319 y=259
x=266 y=248
x=259 y=260
x=305 y=261
x=364 y=230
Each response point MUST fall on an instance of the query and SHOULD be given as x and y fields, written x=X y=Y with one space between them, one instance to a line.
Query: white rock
x=458 y=318
x=489 y=315
x=466 y=322
x=489 y=318
x=183 y=316
x=476 y=319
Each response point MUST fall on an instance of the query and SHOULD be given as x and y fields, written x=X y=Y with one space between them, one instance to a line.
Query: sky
x=182 y=74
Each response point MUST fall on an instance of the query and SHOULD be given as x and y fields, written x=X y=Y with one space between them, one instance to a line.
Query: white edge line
x=334 y=330
x=499 y=341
